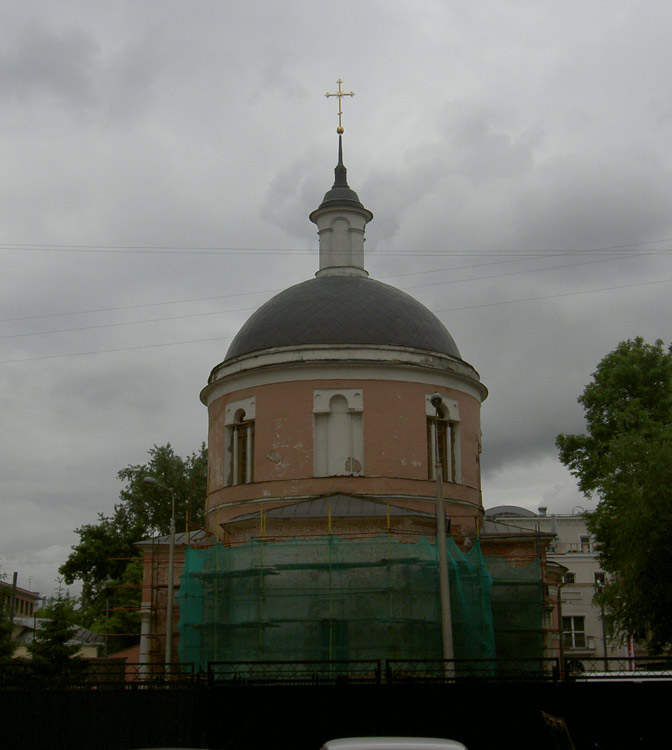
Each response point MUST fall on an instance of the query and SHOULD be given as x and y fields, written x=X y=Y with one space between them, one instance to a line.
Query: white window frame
x=322 y=398
x=585 y=544
x=450 y=409
x=234 y=409
x=571 y=635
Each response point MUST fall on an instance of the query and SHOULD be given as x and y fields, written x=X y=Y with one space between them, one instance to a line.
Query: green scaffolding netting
x=517 y=609
x=330 y=598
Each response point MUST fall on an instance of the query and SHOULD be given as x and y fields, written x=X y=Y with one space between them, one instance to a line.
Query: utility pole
x=444 y=579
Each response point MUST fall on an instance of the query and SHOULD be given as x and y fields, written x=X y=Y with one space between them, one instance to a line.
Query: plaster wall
x=394 y=433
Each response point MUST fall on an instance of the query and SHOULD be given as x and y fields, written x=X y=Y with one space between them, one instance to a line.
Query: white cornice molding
x=293 y=364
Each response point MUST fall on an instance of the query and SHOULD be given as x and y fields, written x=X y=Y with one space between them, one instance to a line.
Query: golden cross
x=340 y=94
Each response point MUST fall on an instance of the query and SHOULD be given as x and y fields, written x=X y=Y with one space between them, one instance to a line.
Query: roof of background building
x=80 y=635
x=343 y=310
x=509 y=511
x=489 y=527
x=195 y=537
x=7 y=587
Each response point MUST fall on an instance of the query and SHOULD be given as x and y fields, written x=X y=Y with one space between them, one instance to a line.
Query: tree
x=104 y=560
x=51 y=642
x=62 y=605
x=7 y=645
x=625 y=461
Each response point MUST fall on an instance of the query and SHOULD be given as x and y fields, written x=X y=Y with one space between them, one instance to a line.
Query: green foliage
x=625 y=460
x=62 y=606
x=7 y=645
x=103 y=560
x=122 y=620
x=96 y=557
x=50 y=643
x=145 y=509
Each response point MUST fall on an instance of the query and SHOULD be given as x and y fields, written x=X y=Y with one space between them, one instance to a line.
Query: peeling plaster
x=280 y=463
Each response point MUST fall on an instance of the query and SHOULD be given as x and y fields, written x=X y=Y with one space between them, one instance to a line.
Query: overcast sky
x=160 y=160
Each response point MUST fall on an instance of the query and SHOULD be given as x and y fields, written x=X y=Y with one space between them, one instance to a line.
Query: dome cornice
x=344 y=362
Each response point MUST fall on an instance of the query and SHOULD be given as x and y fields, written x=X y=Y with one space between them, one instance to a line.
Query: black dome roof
x=343 y=310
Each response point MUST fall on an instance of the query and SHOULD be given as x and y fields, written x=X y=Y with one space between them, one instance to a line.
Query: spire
x=340 y=172
x=341 y=219
x=341 y=194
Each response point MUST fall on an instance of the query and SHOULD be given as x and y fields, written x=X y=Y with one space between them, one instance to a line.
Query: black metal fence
x=622 y=668
x=462 y=670
x=97 y=674
x=335 y=672
x=101 y=674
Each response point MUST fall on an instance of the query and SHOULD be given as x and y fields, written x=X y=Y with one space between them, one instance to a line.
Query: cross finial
x=340 y=94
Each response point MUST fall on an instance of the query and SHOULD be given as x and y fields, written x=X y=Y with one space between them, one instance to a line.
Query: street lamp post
x=171 y=564
x=605 y=657
x=444 y=582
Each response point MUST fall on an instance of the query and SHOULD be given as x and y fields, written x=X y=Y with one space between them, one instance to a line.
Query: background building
x=90 y=644
x=583 y=634
x=24 y=601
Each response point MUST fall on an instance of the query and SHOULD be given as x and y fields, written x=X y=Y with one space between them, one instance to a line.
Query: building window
x=585 y=545
x=239 y=421
x=574 y=632
x=338 y=441
x=243 y=450
x=443 y=438
x=598 y=577
x=569 y=577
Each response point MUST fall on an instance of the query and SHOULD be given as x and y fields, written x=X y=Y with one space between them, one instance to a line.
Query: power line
x=246 y=309
x=518 y=273
x=553 y=296
x=221 y=250
x=127 y=323
x=275 y=291
x=243 y=294
x=111 y=351
x=436 y=312
x=135 y=307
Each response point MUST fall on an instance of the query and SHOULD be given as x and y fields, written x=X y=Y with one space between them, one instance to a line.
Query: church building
x=328 y=417
x=325 y=392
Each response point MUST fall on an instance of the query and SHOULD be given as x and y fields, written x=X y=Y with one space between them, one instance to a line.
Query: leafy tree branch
x=104 y=558
x=624 y=459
